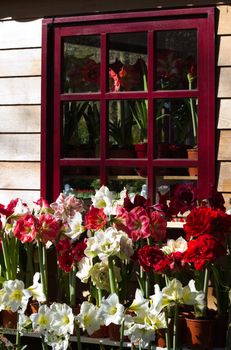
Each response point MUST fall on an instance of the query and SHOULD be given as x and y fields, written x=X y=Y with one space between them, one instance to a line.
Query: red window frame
x=54 y=29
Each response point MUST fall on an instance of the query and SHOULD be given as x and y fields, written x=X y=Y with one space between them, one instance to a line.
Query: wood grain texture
x=224 y=177
x=21 y=147
x=224 y=114
x=15 y=34
x=28 y=196
x=20 y=90
x=20 y=119
x=224 y=82
x=20 y=175
x=224 y=57
x=224 y=148
x=21 y=62
x=224 y=19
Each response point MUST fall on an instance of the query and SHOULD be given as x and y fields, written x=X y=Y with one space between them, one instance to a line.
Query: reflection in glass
x=81 y=64
x=176 y=127
x=134 y=186
x=127 y=62
x=175 y=59
x=81 y=129
x=82 y=181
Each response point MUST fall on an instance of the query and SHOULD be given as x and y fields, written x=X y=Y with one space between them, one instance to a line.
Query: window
x=124 y=97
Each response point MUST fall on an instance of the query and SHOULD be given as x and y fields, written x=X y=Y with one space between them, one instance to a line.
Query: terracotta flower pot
x=9 y=319
x=193 y=154
x=101 y=333
x=200 y=333
x=141 y=149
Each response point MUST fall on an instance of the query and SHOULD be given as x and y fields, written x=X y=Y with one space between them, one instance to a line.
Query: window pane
x=176 y=124
x=127 y=62
x=175 y=59
x=133 y=186
x=81 y=64
x=81 y=181
x=81 y=126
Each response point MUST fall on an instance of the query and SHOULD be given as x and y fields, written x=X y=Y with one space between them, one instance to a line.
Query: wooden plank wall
x=224 y=101
x=20 y=99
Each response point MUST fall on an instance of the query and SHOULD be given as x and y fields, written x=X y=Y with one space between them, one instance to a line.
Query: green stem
x=79 y=345
x=18 y=335
x=72 y=286
x=175 y=328
x=29 y=264
x=42 y=267
x=6 y=258
x=147 y=285
x=99 y=292
x=193 y=114
x=122 y=335
x=113 y=284
x=217 y=289
x=167 y=334
x=206 y=283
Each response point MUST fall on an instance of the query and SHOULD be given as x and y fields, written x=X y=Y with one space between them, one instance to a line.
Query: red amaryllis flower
x=121 y=218
x=149 y=257
x=184 y=199
x=158 y=226
x=138 y=224
x=216 y=199
x=203 y=220
x=77 y=250
x=26 y=228
x=95 y=218
x=130 y=76
x=63 y=245
x=139 y=201
x=49 y=228
x=206 y=248
x=66 y=261
x=114 y=81
x=9 y=209
x=91 y=71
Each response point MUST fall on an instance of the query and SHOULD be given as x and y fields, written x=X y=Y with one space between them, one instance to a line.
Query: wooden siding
x=224 y=101
x=12 y=175
x=20 y=108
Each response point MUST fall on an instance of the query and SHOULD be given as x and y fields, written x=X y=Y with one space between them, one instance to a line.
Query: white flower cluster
x=55 y=323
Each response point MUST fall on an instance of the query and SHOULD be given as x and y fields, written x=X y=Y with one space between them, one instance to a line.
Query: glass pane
x=81 y=64
x=176 y=125
x=127 y=62
x=127 y=128
x=175 y=59
x=176 y=184
x=133 y=185
x=80 y=129
x=81 y=181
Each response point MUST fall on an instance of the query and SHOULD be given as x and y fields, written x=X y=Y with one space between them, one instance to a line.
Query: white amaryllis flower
x=15 y=295
x=111 y=310
x=62 y=319
x=140 y=304
x=42 y=319
x=75 y=226
x=21 y=208
x=89 y=318
x=198 y=295
x=100 y=275
x=103 y=198
x=57 y=342
x=84 y=269
x=178 y=245
x=104 y=244
x=37 y=289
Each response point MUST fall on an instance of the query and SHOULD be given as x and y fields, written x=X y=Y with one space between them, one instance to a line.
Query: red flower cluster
x=69 y=252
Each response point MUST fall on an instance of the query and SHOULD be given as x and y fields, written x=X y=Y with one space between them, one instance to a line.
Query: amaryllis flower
x=91 y=71
x=77 y=250
x=8 y=210
x=203 y=220
x=114 y=81
x=158 y=226
x=138 y=224
x=149 y=257
x=49 y=227
x=95 y=218
x=184 y=199
x=65 y=207
x=63 y=245
x=139 y=201
x=89 y=318
x=111 y=310
x=130 y=77
x=26 y=228
x=206 y=248
x=66 y=261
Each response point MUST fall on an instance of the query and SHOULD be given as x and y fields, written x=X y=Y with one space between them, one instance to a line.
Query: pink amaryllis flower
x=49 y=227
x=158 y=226
x=26 y=228
x=65 y=207
x=138 y=224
